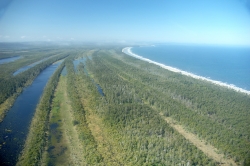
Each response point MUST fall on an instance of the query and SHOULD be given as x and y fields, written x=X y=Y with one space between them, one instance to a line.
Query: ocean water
x=229 y=65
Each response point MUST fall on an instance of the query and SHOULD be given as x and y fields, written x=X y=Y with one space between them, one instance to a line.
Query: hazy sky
x=184 y=21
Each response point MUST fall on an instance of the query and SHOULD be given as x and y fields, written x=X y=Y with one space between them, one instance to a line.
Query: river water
x=7 y=60
x=22 y=69
x=14 y=128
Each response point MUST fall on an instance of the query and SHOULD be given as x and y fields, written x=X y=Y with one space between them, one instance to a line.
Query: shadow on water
x=14 y=128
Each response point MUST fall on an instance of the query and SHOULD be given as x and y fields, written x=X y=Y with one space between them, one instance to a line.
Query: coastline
x=127 y=50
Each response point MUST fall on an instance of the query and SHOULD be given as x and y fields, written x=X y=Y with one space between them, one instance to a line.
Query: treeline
x=36 y=139
x=136 y=92
x=138 y=133
x=90 y=153
x=27 y=58
x=5 y=55
x=216 y=114
x=13 y=85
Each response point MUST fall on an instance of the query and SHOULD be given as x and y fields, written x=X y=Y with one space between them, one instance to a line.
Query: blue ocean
x=230 y=65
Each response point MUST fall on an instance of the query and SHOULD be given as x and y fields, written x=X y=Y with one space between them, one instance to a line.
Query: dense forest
x=216 y=114
x=103 y=107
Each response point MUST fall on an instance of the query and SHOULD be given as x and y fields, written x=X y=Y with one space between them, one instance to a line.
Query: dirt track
x=209 y=150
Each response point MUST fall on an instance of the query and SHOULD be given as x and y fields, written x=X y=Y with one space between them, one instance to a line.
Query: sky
x=224 y=22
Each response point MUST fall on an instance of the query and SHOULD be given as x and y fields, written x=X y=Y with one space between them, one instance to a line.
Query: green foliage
x=135 y=93
x=92 y=156
x=138 y=132
x=36 y=139
x=11 y=84
x=75 y=122
x=216 y=114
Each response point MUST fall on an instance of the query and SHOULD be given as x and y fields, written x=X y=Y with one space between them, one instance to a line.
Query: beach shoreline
x=127 y=50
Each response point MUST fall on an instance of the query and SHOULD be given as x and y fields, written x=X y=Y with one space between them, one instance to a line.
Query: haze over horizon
x=224 y=22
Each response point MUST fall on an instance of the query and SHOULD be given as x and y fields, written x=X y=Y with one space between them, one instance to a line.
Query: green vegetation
x=57 y=146
x=139 y=134
x=13 y=85
x=75 y=125
x=36 y=139
x=218 y=115
x=90 y=153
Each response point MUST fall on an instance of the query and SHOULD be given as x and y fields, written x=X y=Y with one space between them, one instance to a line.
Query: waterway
x=76 y=62
x=7 y=60
x=29 y=66
x=14 y=128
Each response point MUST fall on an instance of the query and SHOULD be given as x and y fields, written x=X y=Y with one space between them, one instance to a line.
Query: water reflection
x=14 y=128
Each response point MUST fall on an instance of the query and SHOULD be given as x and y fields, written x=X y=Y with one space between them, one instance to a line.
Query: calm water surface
x=29 y=66
x=14 y=128
x=226 y=64
x=7 y=60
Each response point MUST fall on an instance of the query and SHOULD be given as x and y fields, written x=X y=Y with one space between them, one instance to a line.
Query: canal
x=7 y=60
x=15 y=127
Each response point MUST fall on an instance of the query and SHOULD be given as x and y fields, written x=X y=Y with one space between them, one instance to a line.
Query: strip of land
x=125 y=126
x=104 y=144
x=64 y=145
x=208 y=149
x=70 y=130
x=128 y=51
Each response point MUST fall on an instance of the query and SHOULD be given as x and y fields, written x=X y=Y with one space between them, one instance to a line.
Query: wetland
x=102 y=107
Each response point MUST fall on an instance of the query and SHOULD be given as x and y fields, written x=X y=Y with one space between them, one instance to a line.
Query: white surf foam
x=127 y=50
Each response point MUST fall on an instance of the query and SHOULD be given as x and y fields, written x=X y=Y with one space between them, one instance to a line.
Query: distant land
x=104 y=105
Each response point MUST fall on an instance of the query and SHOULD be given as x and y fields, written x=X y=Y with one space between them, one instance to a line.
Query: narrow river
x=14 y=128
x=22 y=69
x=7 y=60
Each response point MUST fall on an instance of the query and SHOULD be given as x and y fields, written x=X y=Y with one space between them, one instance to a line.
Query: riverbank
x=15 y=126
x=127 y=50
x=37 y=134
x=8 y=103
x=5 y=106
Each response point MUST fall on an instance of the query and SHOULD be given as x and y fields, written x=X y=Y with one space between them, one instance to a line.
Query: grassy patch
x=58 y=151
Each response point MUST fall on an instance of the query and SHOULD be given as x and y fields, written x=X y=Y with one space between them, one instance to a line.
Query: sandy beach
x=127 y=50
